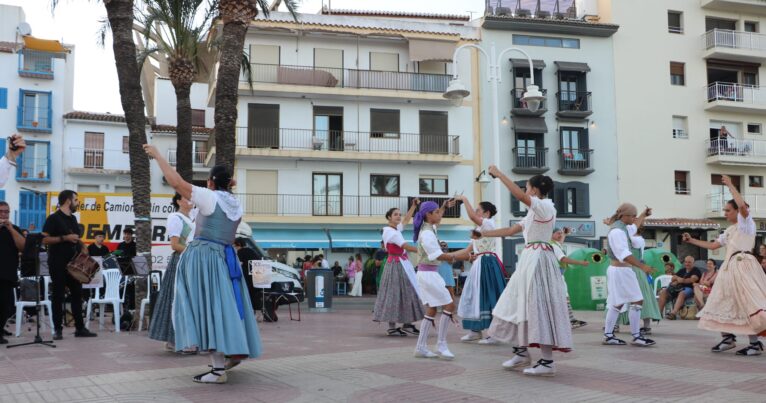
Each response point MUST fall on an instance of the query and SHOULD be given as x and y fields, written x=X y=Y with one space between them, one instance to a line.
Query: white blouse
x=175 y=226
x=206 y=200
x=744 y=225
x=394 y=236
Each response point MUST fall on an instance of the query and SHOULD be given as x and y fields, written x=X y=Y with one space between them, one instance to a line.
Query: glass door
x=327 y=194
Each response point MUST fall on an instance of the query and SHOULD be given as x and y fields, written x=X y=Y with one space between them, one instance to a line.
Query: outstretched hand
x=494 y=171
x=151 y=151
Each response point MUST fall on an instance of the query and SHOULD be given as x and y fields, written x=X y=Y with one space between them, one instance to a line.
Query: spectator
x=763 y=265
x=15 y=147
x=703 y=288
x=358 y=268
x=670 y=269
x=11 y=244
x=308 y=263
x=761 y=255
x=324 y=263
x=127 y=246
x=350 y=272
x=681 y=288
x=245 y=255
x=379 y=258
x=24 y=233
x=337 y=270
x=98 y=248
x=317 y=262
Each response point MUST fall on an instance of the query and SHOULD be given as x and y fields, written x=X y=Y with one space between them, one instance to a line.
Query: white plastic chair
x=661 y=282
x=112 y=279
x=44 y=301
x=154 y=277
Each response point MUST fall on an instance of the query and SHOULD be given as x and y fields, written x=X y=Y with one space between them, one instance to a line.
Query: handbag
x=82 y=268
x=688 y=312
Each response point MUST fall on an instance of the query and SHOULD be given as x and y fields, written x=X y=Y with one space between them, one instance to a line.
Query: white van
x=280 y=273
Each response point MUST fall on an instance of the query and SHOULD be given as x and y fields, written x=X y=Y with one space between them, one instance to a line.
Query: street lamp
x=456 y=91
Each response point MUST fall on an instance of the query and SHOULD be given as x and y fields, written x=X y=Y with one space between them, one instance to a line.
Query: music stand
x=30 y=267
x=264 y=285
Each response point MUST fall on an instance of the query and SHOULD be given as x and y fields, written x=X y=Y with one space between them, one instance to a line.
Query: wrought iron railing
x=330 y=205
x=530 y=157
x=576 y=159
x=574 y=101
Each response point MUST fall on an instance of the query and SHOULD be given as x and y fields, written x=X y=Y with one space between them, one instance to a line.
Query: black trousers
x=60 y=280
x=7 y=304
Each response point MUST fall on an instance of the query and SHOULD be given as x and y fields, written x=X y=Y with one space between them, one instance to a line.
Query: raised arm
x=641 y=218
x=516 y=191
x=744 y=211
x=411 y=211
x=171 y=176
x=476 y=218
x=700 y=243
x=503 y=232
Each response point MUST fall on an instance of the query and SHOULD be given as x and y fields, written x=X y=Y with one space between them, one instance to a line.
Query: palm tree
x=177 y=28
x=120 y=19
x=236 y=16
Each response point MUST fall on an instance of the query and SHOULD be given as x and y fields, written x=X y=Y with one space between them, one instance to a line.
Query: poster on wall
x=112 y=213
x=598 y=287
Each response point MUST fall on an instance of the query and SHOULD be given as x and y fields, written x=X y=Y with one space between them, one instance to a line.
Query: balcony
x=732 y=97
x=520 y=107
x=347 y=145
x=33 y=119
x=340 y=83
x=529 y=160
x=575 y=161
x=34 y=169
x=757 y=7
x=574 y=104
x=294 y=205
x=737 y=152
x=734 y=45
x=715 y=203
x=198 y=160
x=96 y=161
x=36 y=64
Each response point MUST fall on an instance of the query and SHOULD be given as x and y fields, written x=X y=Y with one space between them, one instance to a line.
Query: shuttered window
x=332 y=58
x=572 y=199
x=263 y=125
x=384 y=61
x=384 y=123
x=264 y=54
x=677 y=76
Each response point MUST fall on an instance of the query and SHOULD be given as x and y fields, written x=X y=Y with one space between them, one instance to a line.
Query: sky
x=76 y=22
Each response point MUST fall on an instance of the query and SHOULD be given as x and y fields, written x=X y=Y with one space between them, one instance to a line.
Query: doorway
x=328 y=128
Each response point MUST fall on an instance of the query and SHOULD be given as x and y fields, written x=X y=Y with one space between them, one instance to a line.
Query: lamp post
x=532 y=97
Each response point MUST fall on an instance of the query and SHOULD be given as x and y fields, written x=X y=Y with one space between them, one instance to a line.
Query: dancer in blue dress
x=209 y=309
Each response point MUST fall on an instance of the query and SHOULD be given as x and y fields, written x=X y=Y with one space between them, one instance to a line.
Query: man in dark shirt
x=11 y=242
x=62 y=235
x=127 y=246
x=681 y=287
x=379 y=257
x=98 y=248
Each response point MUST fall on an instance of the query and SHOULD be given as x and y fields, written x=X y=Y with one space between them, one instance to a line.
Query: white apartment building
x=572 y=137
x=35 y=90
x=345 y=119
x=690 y=108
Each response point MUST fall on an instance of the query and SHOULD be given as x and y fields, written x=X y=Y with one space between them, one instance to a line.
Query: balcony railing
x=37 y=64
x=329 y=205
x=93 y=158
x=348 y=141
x=724 y=38
x=199 y=157
x=33 y=119
x=746 y=94
x=576 y=160
x=348 y=78
x=680 y=134
x=530 y=159
x=96 y=159
x=575 y=102
x=730 y=146
x=519 y=105
x=717 y=201
x=34 y=169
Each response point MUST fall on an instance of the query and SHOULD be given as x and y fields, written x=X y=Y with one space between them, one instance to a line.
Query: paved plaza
x=344 y=357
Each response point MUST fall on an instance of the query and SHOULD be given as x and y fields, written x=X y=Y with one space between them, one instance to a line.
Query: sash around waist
x=428 y=267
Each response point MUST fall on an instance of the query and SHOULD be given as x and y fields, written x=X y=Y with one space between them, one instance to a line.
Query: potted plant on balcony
x=34 y=123
x=41 y=175
x=24 y=174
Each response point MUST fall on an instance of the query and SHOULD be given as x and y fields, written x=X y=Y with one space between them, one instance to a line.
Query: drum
x=82 y=268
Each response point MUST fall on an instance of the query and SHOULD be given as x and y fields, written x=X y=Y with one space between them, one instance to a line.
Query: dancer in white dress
x=532 y=311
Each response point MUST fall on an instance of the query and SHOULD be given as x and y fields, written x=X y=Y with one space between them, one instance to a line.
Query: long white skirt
x=356 y=290
x=622 y=287
x=433 y=289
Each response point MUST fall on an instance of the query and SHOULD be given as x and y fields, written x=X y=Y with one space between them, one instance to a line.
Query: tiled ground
x=343 y=356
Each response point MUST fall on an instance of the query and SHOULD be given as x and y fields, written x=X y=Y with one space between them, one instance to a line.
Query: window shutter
x=3 y=98
x=559 y=197
x=582 y=202
x=676 y=68
x=515 y=203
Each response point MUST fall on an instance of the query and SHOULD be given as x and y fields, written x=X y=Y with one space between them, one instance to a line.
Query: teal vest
x=621 y=225
x=422 y=254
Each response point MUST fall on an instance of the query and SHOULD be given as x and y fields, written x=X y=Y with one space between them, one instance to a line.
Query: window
x=432 y=67
x=263 y=125
x=433 y=186
x=332 y=58
x=384 y=123
x=546 y=41
x=327 y=194
x=680 y=130
x=264 y=54
x=751 y=26
x=521 y=80
x=682 y=182
x=125 y=145
x=756 y=181
x=34 y=164
x=384 y=61
x=3 y=98
x=570 y=201
x=433 y=132
x=34 y=112
x=198 y=117
x=754 y=128
x=384 y=185
x=677 y=73
x=94 y=150
x=31 y=211
x=675 y=23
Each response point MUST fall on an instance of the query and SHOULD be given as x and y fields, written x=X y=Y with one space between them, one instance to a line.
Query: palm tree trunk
x=226 y=92
x=120 y=15
x=184 y=132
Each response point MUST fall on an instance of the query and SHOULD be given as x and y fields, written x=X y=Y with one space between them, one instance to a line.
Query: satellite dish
x=24 y=29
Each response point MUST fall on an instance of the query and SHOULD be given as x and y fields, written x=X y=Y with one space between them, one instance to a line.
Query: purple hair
x=425 y=208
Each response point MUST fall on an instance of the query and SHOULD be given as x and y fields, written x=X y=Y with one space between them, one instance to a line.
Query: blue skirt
x=445 y=270
x=490 y=289
x=205 y=310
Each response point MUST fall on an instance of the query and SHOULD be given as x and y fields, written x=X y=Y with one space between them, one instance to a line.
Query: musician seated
x=98 y=248
x=11 y=243
x=127 y=246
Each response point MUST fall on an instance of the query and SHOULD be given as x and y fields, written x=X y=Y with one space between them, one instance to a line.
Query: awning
x=529 y=124
x=290 y=238
x=422 y=50
x=521 y=63
x=298 y=238
x=572 y=66
x=44 y=45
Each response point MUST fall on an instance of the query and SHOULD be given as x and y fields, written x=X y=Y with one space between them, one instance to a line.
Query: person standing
x=486 y=279
x=623 y=284
x=358 y=269
x=397 y=300
x=180 y=231
x=325 y=262
x=11 y=244
x=15 y=147
x=377 y=269
x=557 y=241
x=62 y=236
x=210 y=295
x=97 y=248
x=532 y=311
x=737 y=303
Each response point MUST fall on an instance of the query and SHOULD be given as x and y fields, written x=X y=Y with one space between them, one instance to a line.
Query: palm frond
x=247 y=70
x=103 y=30
x=143 y=54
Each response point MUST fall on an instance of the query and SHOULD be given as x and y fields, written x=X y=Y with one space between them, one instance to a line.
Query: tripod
x=31 y=263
